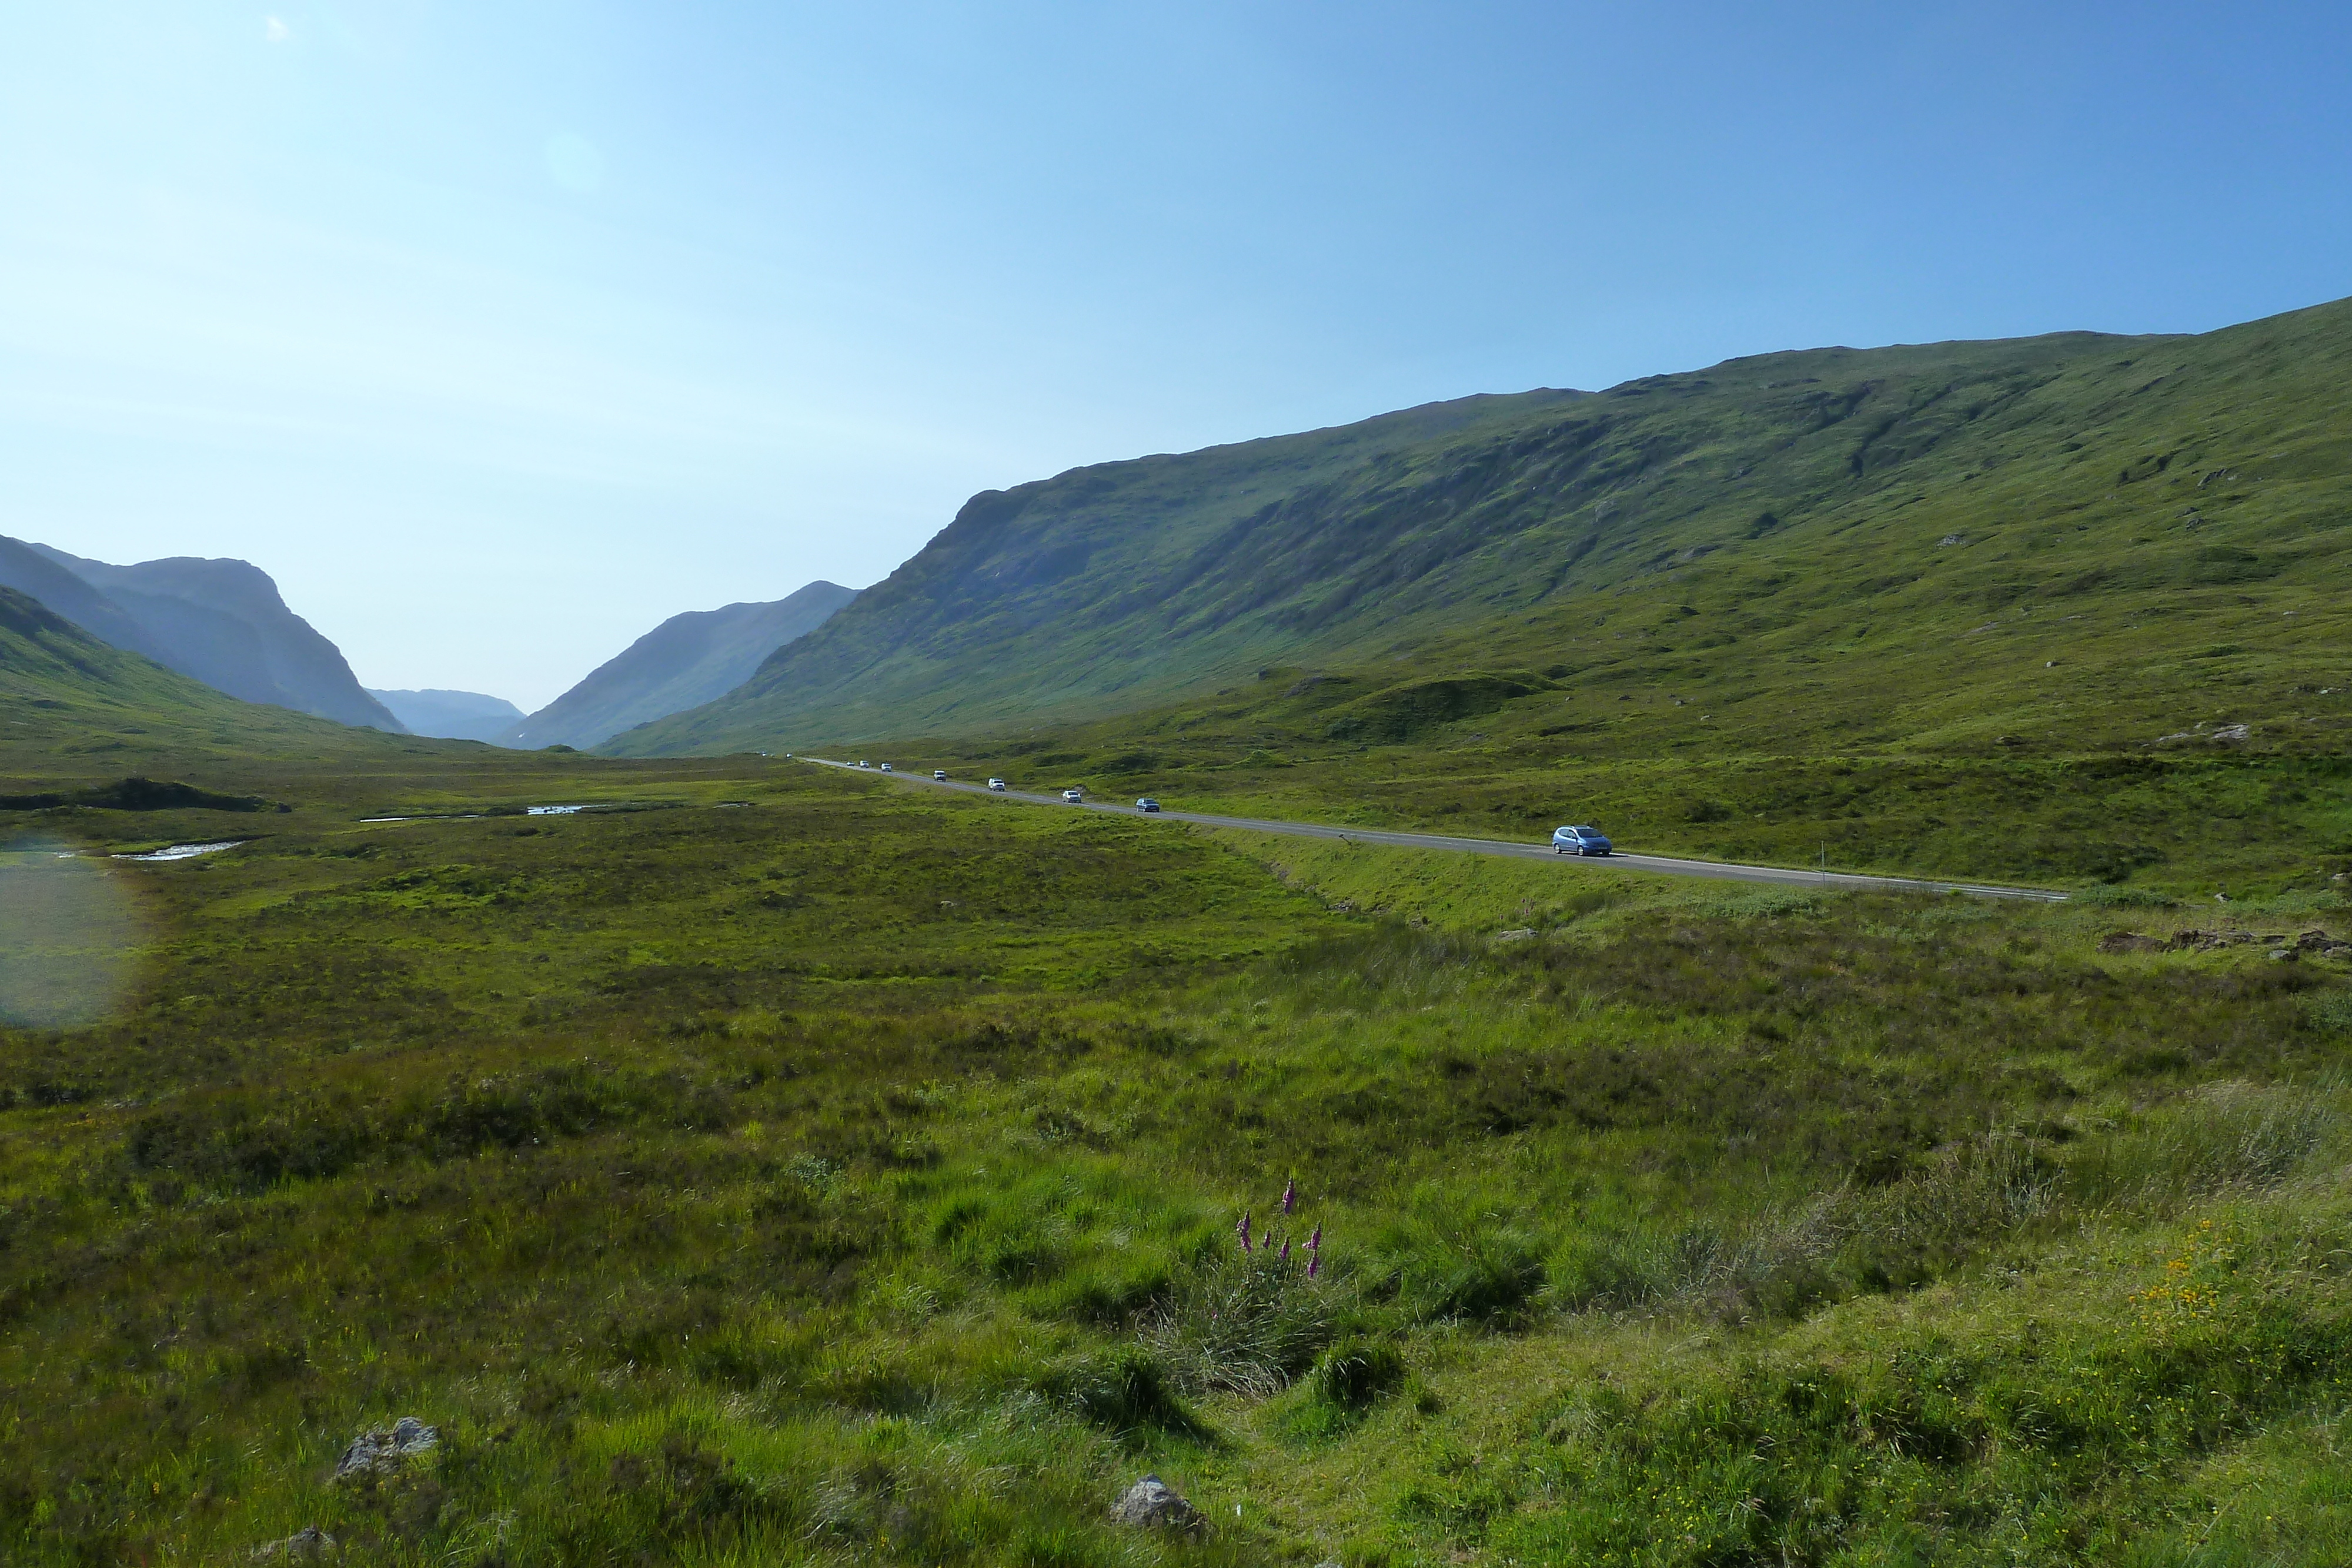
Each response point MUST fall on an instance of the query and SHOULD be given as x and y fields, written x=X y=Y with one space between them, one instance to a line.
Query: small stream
x=183 y=851
x=478 y=816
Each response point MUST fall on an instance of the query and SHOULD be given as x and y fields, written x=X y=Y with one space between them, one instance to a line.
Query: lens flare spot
x=71 y=936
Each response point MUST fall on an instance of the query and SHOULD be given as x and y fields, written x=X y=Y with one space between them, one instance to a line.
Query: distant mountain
x=452 y=715
x=221 y=621
x=683 y=663
x=1835 y=541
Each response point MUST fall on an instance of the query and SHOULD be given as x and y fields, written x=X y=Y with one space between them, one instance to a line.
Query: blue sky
x=498 y=333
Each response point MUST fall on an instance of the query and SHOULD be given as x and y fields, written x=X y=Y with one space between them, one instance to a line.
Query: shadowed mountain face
x=79 y=714
x=452 y=715
x=1864 y=508
x=26 y=570
x=221 y=621
x=684 y=661
x=66 y=690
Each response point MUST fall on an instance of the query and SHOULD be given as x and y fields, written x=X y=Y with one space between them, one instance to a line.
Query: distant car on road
x=1147 y=804
x=861 y=762
x=997 y=784
x=940 y=774
x=885 y=768
x=1075 y=797
x=1581 y=840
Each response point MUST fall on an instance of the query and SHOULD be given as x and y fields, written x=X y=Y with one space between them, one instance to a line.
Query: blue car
x=1579 y=840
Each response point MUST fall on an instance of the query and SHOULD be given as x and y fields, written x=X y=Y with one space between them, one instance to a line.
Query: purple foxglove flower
x=1315 y=1242
x=1242 y=1230
x=1289 y=1196
x=1285 y=1249
x=1314 y=1264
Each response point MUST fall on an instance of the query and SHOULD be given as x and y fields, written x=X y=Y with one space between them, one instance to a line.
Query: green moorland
x=780 y=1166
x=770 y=1165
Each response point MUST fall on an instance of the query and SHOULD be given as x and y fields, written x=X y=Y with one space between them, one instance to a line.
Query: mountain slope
x=684 y=661
x=1816 y=503
x=28 y=570
x=221 y=621
x=452 y=715
x=70 y=703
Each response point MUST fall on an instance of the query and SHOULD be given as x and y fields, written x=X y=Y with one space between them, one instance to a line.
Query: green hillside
x=78 y=716
x=222 y=622
x=71 y=703
x=2052 y=543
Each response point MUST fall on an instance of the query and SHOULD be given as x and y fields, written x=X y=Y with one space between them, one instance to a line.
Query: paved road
x=1667 y=865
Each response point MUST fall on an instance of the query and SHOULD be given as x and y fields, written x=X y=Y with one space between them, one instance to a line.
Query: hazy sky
x=499 y=332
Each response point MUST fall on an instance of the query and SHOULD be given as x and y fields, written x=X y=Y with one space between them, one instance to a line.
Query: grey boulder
x=375 y=1452
x=1152 y=1503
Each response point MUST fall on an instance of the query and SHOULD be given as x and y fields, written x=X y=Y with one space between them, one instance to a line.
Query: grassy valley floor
x=780 y=1166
